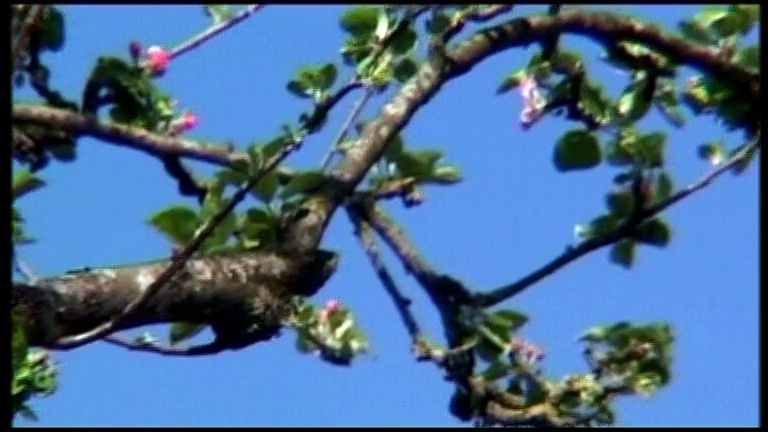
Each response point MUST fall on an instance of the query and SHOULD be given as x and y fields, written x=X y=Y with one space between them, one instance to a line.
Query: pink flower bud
x=157 y=59
x=533 y=102
x=187 y=121
x=332 y=305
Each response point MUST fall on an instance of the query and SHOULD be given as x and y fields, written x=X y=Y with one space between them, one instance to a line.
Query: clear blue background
x=512 y=213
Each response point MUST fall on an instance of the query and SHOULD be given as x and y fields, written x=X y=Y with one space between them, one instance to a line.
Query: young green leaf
x=24 y=182
x=623 y=253
x=218 y=13
x=181 y=331
x=417 y=163
x=620 y=202
x=360 y=21
x=578 y=149
x=636 y=100
x=712 y=152
x=405 y=69
x=664 y=187
x=176 y=222
x=651 y=148
x=445 y=175
x=403 y=42
x=511 y=81
x=654 y=232
x=51 y=29
x=302 y=182
x=498 y=369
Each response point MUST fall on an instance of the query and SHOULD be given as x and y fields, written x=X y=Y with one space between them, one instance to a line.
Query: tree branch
x=402 y=303
x=624 y=230
x=229 y=291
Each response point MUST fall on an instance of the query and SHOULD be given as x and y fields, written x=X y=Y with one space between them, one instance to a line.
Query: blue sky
x=512 y=213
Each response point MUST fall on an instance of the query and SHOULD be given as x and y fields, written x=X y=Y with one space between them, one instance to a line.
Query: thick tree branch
x=402 y=303
x=229 y=291
x=624 y=230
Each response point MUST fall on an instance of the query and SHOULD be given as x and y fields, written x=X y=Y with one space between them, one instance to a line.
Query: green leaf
x=403 y=42
x=266 y=188
x=181 y=331
x=710 y=15
x=636 y=100
x=578 y=149
x=712 y=151
x=302 y=182
x=417 y=163
x=25 y=182
x=299 y=89
x=326 y=76
x=487 y=351
x=651 y=148
x=360 y=21
x=599 y=226
x=405 y=69
x=394 y=148
x=497 y=370
x=211 y=206
x=621 y=150
x=696 y=32
x=595 y=334
x=257 y=228
x=749 y=57
x=511 y=81
x=438 y=23
x=177 y=222
x=595 y=102
x=623 y=253
x=51 y=29
x=605 y=415
x=18 y=340
x=620 y=202
x=445 y=174
x=654 y=232
x=218 y=13
x=508 y=318
x=664 y=187
x=565 y=61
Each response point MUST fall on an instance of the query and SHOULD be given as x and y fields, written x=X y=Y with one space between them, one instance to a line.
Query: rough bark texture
x=235 y=293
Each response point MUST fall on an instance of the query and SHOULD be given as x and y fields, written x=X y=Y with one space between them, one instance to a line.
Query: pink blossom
x=157 y=59
x=533 y=102
x=332 y=305
x=187 y=121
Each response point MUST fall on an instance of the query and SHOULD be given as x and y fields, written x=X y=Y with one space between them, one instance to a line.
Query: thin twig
x=178 y=261
x=622 y=231
x=34 y=14
x=214 y=30
x=402 y=303
x=166 y=350
x=345 y=128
